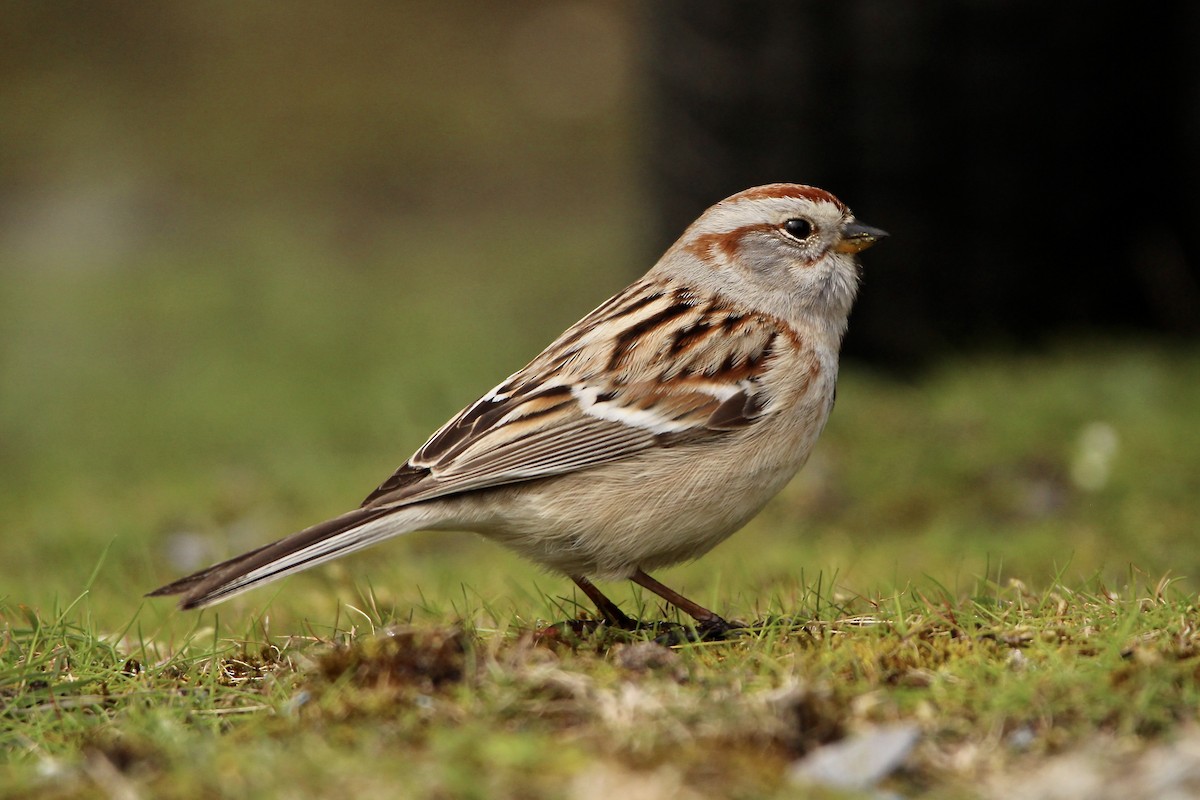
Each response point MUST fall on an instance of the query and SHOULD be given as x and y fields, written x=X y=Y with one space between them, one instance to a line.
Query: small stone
x=649 y=656
x=1016 y=660
x=859 y=762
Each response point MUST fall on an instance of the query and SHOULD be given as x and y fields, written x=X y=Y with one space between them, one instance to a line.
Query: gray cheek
x=771 y=259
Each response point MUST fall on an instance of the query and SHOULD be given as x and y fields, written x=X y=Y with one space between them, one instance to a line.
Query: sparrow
x=644 y=435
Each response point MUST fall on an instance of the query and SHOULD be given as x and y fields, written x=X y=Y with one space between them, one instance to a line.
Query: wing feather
x=651 y=367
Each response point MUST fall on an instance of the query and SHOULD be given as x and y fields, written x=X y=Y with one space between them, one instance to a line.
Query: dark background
x=1038 y=163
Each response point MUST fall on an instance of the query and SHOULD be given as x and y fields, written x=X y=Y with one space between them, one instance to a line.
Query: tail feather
x=322 y=542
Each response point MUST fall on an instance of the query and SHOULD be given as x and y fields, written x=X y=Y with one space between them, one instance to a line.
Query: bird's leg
x=707 y=622
x=608 y=609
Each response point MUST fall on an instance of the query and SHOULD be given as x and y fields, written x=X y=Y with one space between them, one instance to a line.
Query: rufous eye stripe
x=723 y=243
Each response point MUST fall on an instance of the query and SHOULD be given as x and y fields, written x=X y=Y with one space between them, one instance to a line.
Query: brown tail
x=307 y=548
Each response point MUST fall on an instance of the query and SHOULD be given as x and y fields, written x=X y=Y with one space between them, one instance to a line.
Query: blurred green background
x=251 y=255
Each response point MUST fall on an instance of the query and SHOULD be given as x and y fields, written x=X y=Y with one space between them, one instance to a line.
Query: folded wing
x=649 y=368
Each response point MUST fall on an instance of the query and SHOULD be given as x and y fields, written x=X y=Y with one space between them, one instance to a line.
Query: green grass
x=995 y=679
x=980 y=549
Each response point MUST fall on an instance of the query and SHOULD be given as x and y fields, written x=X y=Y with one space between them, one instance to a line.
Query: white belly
x=668 y=506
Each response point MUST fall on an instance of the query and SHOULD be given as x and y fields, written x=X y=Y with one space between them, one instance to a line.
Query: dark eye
x=799 y=228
